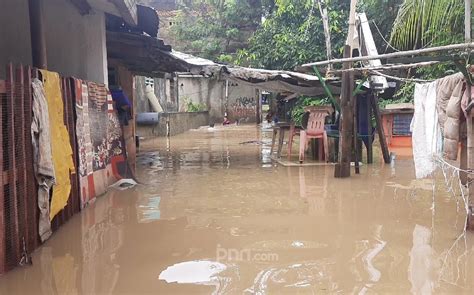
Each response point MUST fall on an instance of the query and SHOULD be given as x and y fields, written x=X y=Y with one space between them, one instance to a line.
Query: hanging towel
x=60 y=144
x=42 y=158
x=426 y=134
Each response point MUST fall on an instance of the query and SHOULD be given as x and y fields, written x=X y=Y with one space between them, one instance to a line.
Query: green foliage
x=304 y=101
x=407 y=89
x=215 y=29
x=422 y=23
x=382 y=23
x=194 y=107
x=293 y=34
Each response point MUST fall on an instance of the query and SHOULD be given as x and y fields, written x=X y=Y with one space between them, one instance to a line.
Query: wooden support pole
x=355 y=138
x=343 y=167
x=469 y=122
x=370 y=154
x=381 y=133
x=38 y=41
x=470 y=165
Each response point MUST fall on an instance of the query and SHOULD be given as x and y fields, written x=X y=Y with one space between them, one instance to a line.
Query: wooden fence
x=18 y=188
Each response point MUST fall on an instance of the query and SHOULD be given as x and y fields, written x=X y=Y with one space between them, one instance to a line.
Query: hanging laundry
x=60 y=144
x=448 y=95
x=426 y=133
x=43 y=160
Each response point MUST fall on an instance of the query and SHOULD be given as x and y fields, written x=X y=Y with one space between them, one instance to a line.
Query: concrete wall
x=178 y=122
x=15 y=42
x=207 y=91
x=162 y=91
x=242 y=103
x=75 y=44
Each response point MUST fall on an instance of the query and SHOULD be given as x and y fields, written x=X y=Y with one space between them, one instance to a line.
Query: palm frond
x=420 y=23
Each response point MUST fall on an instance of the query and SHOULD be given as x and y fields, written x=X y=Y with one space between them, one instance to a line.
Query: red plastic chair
x=315 y=129
x=294 y=131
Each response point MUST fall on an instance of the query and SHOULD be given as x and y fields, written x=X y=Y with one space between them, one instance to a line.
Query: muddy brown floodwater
x=215 y=215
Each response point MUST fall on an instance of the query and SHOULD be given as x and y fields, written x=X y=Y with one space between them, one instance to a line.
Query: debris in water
x=124 y=184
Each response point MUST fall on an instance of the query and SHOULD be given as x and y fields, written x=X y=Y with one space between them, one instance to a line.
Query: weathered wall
x=178 y=122
x=208 y=91
x=242 y=103
x=141 y=104
x=162 y=91
x=15 y=43
x=75 y=44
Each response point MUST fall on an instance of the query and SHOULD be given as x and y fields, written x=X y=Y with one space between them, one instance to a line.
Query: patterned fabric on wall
x=101 y=148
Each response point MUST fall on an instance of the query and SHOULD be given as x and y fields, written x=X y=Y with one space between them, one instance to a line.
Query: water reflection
x=423 y=265
x=202 y=272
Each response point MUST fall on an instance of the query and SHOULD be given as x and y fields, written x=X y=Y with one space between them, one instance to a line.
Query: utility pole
x=346 y=125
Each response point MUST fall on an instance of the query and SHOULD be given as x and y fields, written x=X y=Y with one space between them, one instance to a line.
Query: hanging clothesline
x=398 y=78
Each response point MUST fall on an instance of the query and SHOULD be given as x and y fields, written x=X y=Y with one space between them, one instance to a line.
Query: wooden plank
x=470 y=163
x=379 y=126
x=12 y=159
x=32 y=189
x=370 y=153
x=355 y=138
x=21 y=159
x=2 y=197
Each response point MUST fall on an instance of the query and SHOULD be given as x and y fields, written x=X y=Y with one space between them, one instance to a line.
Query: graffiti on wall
x=243 y=107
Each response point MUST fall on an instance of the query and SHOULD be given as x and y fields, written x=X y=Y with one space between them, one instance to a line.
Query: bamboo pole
x=387 y=67
x=463 y=46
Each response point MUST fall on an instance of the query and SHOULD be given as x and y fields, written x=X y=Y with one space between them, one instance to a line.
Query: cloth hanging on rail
x=42 y=157
x=426 y=132
x=448 y=96
x=60 y=144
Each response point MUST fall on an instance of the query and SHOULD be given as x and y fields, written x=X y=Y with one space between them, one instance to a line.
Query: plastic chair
x=294 y=131
x=315 y=130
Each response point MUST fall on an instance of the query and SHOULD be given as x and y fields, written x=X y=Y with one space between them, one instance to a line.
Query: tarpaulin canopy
x=280 y=81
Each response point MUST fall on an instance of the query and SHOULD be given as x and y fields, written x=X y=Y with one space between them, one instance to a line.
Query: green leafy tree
x=293 y=34
x=216 y=29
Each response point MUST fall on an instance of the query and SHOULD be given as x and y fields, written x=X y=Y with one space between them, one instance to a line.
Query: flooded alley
x=215 y=215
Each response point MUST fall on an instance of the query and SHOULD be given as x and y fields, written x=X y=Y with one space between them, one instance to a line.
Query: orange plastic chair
x=315 y=130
